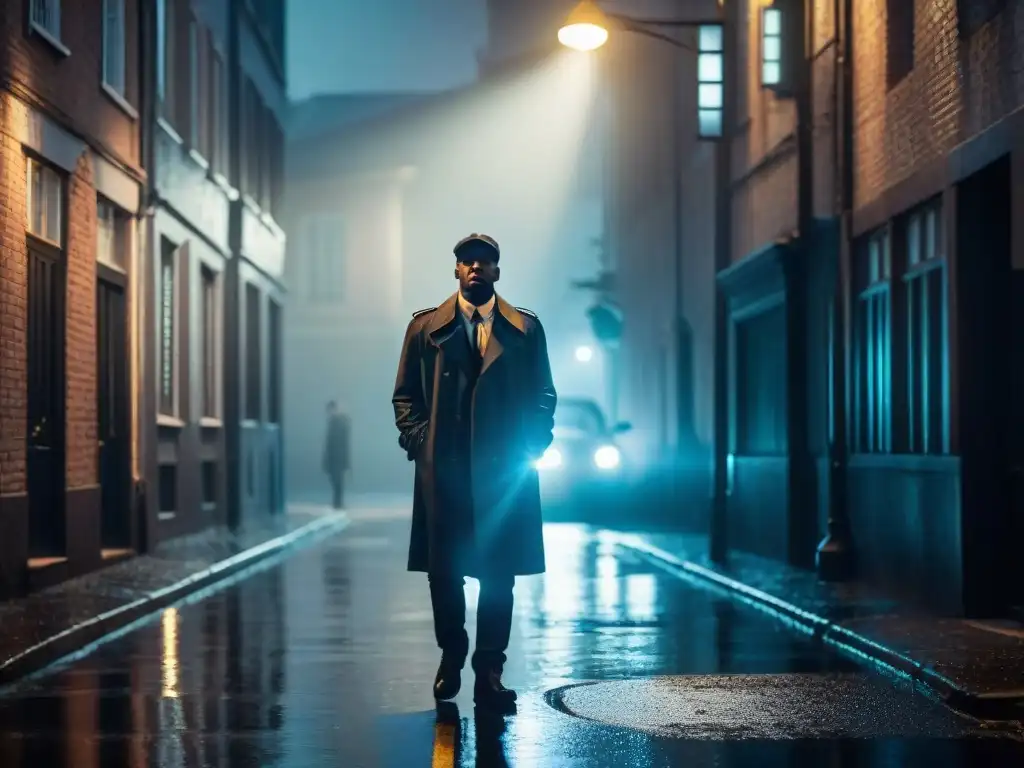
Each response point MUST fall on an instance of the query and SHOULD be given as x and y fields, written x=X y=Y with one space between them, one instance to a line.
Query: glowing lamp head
x=584 y=354
x=586 y=29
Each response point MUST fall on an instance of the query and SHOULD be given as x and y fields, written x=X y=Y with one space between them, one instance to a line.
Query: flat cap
x=476 y=244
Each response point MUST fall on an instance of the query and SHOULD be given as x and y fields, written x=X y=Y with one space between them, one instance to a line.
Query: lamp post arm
x=644 y=27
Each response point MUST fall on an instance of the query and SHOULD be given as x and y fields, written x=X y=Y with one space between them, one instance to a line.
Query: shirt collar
x=467 y=309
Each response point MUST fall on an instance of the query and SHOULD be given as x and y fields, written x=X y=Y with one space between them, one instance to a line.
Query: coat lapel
x=507 y=331
x=447 y=333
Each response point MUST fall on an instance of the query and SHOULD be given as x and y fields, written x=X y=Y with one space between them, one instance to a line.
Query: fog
x=379 y=189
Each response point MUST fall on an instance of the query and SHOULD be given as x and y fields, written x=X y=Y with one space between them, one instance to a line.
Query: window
x=974 y=14
x=274 y=356
x=899 y=39
x=167 y=478
x=761 y=427
x=166 y=43
x=45 y=14
x=200 y=128
x=253 y=358
x=217 y=111
x=209 y=342
x=771 y=46
x=872 y=399
x=322 y=250
x=254 y=113
x=168 y=325
x=45 y=202
x=111 y=235
x=114 y=45
x=927 y=378
x=709 y=81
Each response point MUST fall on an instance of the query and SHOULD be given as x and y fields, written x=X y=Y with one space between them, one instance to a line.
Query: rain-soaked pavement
x=327 y=658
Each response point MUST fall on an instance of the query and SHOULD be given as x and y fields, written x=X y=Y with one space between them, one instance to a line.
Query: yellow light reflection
x=445 y=735
x=169 y=666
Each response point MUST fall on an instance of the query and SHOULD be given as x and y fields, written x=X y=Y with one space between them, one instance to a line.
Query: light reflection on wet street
x=327 y=660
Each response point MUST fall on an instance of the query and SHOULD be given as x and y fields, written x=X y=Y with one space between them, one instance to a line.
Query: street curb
x=851 y=644
x=53 y=649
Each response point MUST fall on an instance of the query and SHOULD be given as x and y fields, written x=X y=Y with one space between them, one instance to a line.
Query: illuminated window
x=710 y=82
x=167 y=322
x=45 y=200
x=771 y=46
x=111 y=234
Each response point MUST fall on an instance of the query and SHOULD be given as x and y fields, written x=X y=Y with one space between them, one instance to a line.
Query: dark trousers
x=338 y=489
x=493 y=618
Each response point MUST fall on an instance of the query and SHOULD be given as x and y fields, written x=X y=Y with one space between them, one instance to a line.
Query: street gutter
x=91 y=631
x=853 y=645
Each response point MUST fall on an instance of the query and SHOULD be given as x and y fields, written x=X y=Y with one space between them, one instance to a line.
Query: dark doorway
x=112 y=409
x=45 y=435
x=990 y=414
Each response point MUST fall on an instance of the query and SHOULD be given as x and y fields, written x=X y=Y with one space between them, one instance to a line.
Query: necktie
x=478 y=332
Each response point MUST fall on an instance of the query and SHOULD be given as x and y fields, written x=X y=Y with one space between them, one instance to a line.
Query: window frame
x=118 y=47
x=46 y=171
x=924 y=281
x=44 y=18
x=166 y=61
x=917 y=356
x=253 y=351
x=900 y=24
x=872 y=422
x=118 y=236
x=211 y=325
x=169 y=404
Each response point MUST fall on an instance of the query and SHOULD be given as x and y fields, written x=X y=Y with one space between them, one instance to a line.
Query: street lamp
x=586 y=29
x=584 y=354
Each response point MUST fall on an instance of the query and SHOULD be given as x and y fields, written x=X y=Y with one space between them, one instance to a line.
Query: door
x=112 y=412
x=45 y=374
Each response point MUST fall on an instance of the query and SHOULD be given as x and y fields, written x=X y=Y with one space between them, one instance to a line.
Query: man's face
x=477 y=274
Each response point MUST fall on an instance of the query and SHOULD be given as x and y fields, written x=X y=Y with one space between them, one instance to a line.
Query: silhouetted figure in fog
x=474 y=406
x=337 y=462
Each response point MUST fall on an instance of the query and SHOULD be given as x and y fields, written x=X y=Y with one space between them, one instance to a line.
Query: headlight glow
x=552 y=459
x=607 y=457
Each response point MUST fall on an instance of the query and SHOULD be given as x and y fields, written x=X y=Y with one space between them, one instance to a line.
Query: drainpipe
x=231 y=356
x=718 y=528
x=835 y=556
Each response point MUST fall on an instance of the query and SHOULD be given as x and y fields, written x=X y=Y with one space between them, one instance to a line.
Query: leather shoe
x=448 y=680
x=488 y=692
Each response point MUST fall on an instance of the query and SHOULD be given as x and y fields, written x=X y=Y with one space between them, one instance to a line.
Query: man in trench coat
x=474 y=405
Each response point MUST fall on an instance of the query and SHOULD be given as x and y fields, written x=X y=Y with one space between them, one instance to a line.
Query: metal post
x=718 y=529
x=834 y=554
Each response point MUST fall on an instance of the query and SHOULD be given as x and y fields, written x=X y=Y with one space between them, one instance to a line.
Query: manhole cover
x=760 y=707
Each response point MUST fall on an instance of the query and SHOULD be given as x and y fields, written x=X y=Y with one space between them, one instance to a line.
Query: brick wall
x=81 y=328
x=68 y=90
x=12 y=300
x=963 y=80
x=900 y=130
x=70 y=86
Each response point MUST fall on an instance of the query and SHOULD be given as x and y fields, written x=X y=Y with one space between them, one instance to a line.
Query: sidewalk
x=974 y=666
x=49 y=625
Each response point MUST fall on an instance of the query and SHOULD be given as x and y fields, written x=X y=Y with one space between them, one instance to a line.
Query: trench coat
x=477 y=514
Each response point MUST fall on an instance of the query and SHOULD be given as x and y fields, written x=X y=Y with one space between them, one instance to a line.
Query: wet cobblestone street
x=326 y=658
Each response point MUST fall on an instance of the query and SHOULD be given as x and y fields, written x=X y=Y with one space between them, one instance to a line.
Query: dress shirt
x=483 y=329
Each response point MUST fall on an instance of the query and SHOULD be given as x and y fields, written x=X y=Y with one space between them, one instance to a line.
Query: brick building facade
x=70 y=183
x=886 y=173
